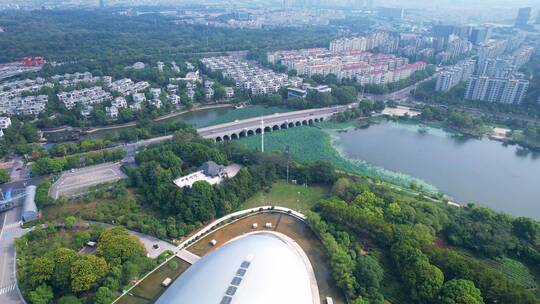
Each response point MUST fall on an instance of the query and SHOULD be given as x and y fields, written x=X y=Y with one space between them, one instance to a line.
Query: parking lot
x=76 y=182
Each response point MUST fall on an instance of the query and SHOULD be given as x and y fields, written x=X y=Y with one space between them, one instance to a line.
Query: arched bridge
x=278 y=121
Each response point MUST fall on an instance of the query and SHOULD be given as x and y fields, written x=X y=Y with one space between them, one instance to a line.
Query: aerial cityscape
x=269 y=151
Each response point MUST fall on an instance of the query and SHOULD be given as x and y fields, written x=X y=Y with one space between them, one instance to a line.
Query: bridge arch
x=250 y=133
x=304 y=122
x=258 y=131
x=267 y=129
x=242 y=134
x=298 y=123
x=291 y=125
x=310 y=121
x=226 y=138
x=218 y=139
x=284 y=125
x=234 y=136
x=275 y=127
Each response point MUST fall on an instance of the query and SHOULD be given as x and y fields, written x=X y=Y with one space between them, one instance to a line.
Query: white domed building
x=257 y=268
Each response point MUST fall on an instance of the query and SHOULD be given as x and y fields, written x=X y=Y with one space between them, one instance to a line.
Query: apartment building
x=346 y=64
x=382 y=40
x=501 y=90
x=90 y=96
x=451 y=77
x=381 y=77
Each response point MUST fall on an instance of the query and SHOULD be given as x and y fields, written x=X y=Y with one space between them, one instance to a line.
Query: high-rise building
x=524 y=14
x=454 y=75
x=501 y=90
x=478 y=35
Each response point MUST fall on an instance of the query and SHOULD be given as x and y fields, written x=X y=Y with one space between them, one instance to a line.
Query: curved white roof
x=260 y=267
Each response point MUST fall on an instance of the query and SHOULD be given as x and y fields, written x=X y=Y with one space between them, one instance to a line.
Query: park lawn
x=299 y=198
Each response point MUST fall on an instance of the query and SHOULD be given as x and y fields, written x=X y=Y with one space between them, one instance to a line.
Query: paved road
x=147 y=240
x=398 y=95
x=269 y=120
x=10 y=225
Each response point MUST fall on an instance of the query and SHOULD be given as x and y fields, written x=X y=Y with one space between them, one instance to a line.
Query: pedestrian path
x=187 y=256
x=13 y=225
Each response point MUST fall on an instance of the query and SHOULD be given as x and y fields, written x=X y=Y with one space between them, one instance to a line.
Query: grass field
x=295 y=197
x=312 y=143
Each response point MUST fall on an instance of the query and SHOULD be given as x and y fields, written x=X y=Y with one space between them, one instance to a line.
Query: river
x=207 y=117
x=505 y=178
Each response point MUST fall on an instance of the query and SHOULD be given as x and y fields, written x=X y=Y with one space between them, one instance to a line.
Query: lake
x=505 y=178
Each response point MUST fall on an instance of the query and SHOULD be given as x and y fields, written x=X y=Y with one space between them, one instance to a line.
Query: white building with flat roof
x=209 y=172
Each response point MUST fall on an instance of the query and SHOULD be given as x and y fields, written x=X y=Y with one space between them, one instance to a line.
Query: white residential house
x=172 y=88
x=5 y=122
x=139 y=97
x=136 y=106
x=119 y=103
x=156 y=92
x=208 y=84
x=112 y=112
x=156 y=103
x=229 y=92
x=160 y=66
x=107 y=81
x=209 y=93
x=173 y=99
x=87 y=111
x=191 y=94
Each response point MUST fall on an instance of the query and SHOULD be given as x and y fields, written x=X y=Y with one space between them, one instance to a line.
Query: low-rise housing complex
x=247 y=75
x=127 y=87
x=68 y=80
x=29 y=105
x=90 y=96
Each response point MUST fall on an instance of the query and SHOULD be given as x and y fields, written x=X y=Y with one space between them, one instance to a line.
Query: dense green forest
x=66 y=36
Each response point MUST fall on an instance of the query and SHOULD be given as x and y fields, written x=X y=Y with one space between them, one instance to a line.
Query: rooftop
x=260 y=267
